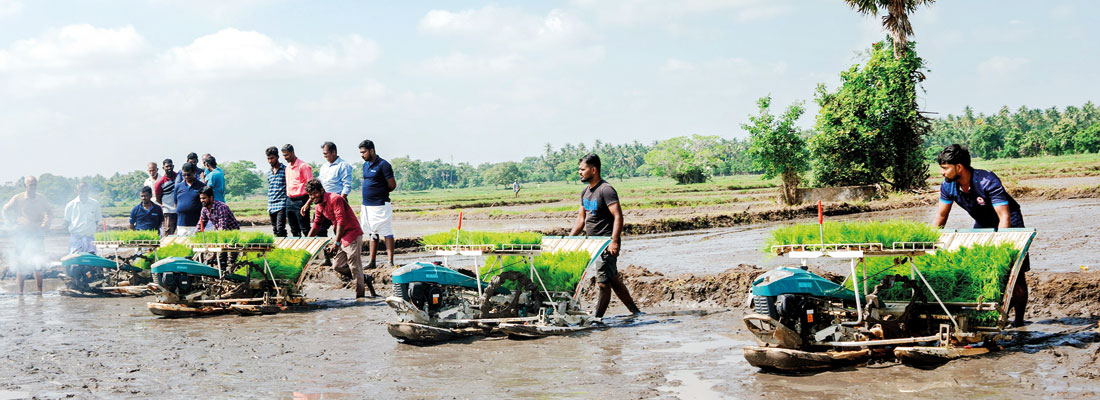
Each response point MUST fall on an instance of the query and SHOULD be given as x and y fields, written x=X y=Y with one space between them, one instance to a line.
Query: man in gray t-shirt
x=600 y=215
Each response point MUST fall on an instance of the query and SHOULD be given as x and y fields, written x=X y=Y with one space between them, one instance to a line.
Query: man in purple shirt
x=216 y=212
x=982 y=195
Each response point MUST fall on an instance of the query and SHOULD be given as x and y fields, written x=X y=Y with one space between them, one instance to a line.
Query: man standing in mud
x=348 y=247
x=188 y=205
x=30 y=215
x=82 y=216
x=600 y=215
x=982 y=195
x=165 y=191
x=297 y=200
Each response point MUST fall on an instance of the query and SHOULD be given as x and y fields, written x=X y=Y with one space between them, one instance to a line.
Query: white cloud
x=1063 y=11
x=674 y=65
x=508 y=27
x=369 y=94
x=73 y=45
x=10 y=7
x=463 y=65
x=735 y=66
x=234 y=53
x=633 y=12
x=1001 y=67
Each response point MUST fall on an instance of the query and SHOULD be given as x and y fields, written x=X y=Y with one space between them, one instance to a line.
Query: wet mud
x=693 y=285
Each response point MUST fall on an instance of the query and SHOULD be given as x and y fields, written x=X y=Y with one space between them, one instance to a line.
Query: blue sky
x=87 y=88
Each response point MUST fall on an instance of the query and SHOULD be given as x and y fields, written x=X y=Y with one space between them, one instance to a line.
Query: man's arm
x=1003 y=216
x=942 y=212
x=345 y=180
x=157 y=192
x=578 y=226
x=133 y=216
x=616 y=229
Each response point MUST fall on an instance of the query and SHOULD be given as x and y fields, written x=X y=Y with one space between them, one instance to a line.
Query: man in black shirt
x=600 y=215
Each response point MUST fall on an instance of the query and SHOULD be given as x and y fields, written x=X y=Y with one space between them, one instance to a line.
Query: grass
x=126 y=236
x=232 y=237
x=560 y=271
x=285 y=264
x=964 y=275
x=885 y=232
x=481 y=237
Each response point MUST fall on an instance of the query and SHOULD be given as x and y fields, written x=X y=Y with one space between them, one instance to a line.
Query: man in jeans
x=348 y=246
x=165 y=193
x=298 y=173
x=82 y=216
x=276 y=192
x=376 y=214
x=600 y=215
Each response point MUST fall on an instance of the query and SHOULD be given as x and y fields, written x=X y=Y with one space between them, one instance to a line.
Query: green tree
x=986 y=142
x=686 y=159
x=502 y=173
x=1088 y=140
x=870 y=130
x=241 y=178
x=778 y=148
x=896 y=20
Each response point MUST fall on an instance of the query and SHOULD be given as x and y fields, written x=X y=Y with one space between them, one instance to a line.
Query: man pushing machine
x=982 y=195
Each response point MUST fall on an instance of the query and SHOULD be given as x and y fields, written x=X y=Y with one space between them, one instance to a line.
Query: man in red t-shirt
x=348 y=246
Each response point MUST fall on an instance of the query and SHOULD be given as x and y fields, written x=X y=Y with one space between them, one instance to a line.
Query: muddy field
x=693 y=285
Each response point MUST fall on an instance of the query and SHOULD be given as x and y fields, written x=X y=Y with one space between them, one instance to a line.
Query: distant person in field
x=376 y=213
x=348 y=247
x=188 y=204
x=982 y=195
x=214 y=178
x=165 y=193
x=335 y=174
x=82 y=217
x=146 y=216
x=600 y=215
x=276 y=192
x=30 y=216
x=515 y=188
x=154 y=175
x=214 y=213
x=298 y=173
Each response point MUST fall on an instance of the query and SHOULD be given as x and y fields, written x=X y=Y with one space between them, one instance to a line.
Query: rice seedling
x=885 y=232
x=285 y=264
x=560 y=271
x=232 y=237
x=480 y=237
x=965 y=275
x=126 y=236
x=172 y=250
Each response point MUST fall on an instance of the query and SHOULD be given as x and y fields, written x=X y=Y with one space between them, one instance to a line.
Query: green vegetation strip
x=126 y=236
x=285 y=264
x=964 y=275
x=560 y=271
x=172 y=250
x=885 y=232
x=232 y=237
x=480 y=238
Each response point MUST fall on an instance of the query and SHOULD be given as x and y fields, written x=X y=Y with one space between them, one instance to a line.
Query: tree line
x=1027 y=132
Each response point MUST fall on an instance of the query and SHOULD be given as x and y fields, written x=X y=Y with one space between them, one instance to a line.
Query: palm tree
x=896 y=20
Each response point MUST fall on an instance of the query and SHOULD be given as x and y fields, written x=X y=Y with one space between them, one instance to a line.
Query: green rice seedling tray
x=234 y=237
x=285 y=264
x=886 y=233
x=560 y=271
x=126 y=237
x=475 y=238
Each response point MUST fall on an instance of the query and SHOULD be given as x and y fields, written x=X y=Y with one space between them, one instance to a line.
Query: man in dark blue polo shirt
x=982 y=195
x=147 y=215
x=376 y=214
x=188 y=205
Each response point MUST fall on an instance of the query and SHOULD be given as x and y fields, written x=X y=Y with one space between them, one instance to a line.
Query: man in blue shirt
x=276 y=192
x=188 y=205
x=376 y=214
x=982 y=195
x=215 y=178
x=148 y=215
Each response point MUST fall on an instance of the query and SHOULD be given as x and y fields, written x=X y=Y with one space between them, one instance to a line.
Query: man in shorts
x=30 y=215
x=376 y=213
x=600 y=215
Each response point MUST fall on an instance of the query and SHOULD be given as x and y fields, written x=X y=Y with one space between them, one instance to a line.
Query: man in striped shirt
x=276 y=192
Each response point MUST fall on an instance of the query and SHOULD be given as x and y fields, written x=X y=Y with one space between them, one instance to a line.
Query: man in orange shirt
x=298 y=173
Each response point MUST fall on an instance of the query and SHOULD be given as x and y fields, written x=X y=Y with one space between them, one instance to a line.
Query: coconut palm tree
x=896 y=20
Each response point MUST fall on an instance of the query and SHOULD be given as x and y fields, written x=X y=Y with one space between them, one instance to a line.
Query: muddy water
x=57 y=347
x=1065 y=241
